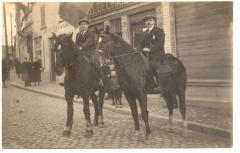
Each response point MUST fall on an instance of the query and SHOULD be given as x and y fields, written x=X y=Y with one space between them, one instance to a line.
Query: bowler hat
x=149 y=17
x=84 y=20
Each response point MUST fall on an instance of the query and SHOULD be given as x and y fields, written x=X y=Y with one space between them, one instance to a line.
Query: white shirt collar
x=151 y=28
x=83 y=32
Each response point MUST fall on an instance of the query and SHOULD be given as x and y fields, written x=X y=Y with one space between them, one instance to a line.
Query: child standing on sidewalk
x=115 y=87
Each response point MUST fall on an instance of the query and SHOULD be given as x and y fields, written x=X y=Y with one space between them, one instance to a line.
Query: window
x=38 y=52
x=43 y=22
x=116 y=26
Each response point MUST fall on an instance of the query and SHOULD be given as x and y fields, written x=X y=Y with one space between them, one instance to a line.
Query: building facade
x=198 y=33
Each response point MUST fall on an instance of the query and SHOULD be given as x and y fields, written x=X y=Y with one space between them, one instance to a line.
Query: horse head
x=112 y=45
x=105 y=44
x=65 y=52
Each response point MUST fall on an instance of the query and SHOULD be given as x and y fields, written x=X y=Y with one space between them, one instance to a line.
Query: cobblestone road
x=34 y=121
x=214 y=117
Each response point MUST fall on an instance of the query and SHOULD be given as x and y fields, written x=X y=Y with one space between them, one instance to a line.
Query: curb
x=190 y=125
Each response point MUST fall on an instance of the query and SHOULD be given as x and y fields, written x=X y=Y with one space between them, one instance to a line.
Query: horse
x=80 y=79
x=132 y=70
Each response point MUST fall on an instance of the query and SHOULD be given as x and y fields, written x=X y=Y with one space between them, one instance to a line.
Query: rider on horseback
x=153 y=47
x=85 y=41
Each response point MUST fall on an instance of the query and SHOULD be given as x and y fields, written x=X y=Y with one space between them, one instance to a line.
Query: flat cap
x=149 y=17
x=84 y=20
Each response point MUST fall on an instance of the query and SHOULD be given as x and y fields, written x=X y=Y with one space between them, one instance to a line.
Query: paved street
x=32 y=120
x=216 y=118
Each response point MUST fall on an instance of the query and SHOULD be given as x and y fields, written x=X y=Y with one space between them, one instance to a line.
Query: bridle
x=113 y=57
x=57 y=44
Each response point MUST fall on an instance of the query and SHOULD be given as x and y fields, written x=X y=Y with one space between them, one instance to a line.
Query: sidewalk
x=203 y=119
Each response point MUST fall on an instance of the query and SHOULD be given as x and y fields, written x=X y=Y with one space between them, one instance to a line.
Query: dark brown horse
x=81 y=79
x=132 y=72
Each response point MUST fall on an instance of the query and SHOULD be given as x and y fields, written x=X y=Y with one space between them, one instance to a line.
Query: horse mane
x=71 y=43
x=131 y=67
x=121 y=41
x=123 y=47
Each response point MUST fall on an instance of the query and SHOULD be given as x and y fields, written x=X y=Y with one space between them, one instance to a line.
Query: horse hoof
x=101 y=125
x=147 y=136
x=95 y=123
x=136 y=133
x=88 y=134
x=66 y=133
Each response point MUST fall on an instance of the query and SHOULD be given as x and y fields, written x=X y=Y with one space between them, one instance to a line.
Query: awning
x=73 y=12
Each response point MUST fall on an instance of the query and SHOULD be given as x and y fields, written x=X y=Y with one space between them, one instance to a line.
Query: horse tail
x=179 y=70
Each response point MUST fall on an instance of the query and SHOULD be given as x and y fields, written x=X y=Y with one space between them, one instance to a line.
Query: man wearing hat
x=153 y=46
x=85 y=41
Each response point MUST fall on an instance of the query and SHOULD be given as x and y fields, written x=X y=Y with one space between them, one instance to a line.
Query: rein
x=112 y=57
x=69 y=65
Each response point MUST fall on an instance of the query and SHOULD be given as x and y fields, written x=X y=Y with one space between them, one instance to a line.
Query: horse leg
x=116 y=98
x=95 y=103
x=69 y=100
x=86 y=111
x=133 y=105
x=144 y=112
x=182 y=108
x=113 y=98
x=120 y=97
x=169 y=98
x=100 y=107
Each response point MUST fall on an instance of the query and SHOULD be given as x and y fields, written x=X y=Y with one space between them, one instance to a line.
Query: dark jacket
x=4 y=70
x=37 y=70
x=154 y=40
x=25 y=73
x=87 y=42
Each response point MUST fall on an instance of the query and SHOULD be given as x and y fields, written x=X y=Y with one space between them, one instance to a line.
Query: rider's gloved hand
x=80 y=47
x=146 y=50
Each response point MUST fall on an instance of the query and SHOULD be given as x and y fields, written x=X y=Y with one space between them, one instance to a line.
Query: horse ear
x=54 y=35
x=97 y=31
x=107 y=29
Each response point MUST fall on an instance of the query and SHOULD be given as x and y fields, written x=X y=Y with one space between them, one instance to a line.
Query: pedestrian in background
x=37 y=71
x=4 y=72
x=31 y=71
x=18 y=67
x=25 y=72
x=106 y=71
x=115 y=87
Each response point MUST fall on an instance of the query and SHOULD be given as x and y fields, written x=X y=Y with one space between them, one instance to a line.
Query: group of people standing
x=31 y=71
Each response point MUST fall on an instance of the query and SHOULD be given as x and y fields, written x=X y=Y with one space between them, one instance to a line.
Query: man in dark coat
x=4 y=72
x=85 y=40
x=25 y=72
x=153 y=46
x=37 y=69
x=18 y=67
x=31 y=71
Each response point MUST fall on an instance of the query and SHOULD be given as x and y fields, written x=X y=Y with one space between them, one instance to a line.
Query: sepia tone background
x=198 y=33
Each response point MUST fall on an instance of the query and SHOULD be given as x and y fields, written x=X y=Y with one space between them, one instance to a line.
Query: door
x=137 y=34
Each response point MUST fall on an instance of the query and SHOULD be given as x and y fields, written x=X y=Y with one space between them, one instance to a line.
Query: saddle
x=168 y=64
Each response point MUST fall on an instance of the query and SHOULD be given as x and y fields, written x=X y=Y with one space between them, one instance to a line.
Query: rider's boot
x=101 y=77
x=159 y=88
